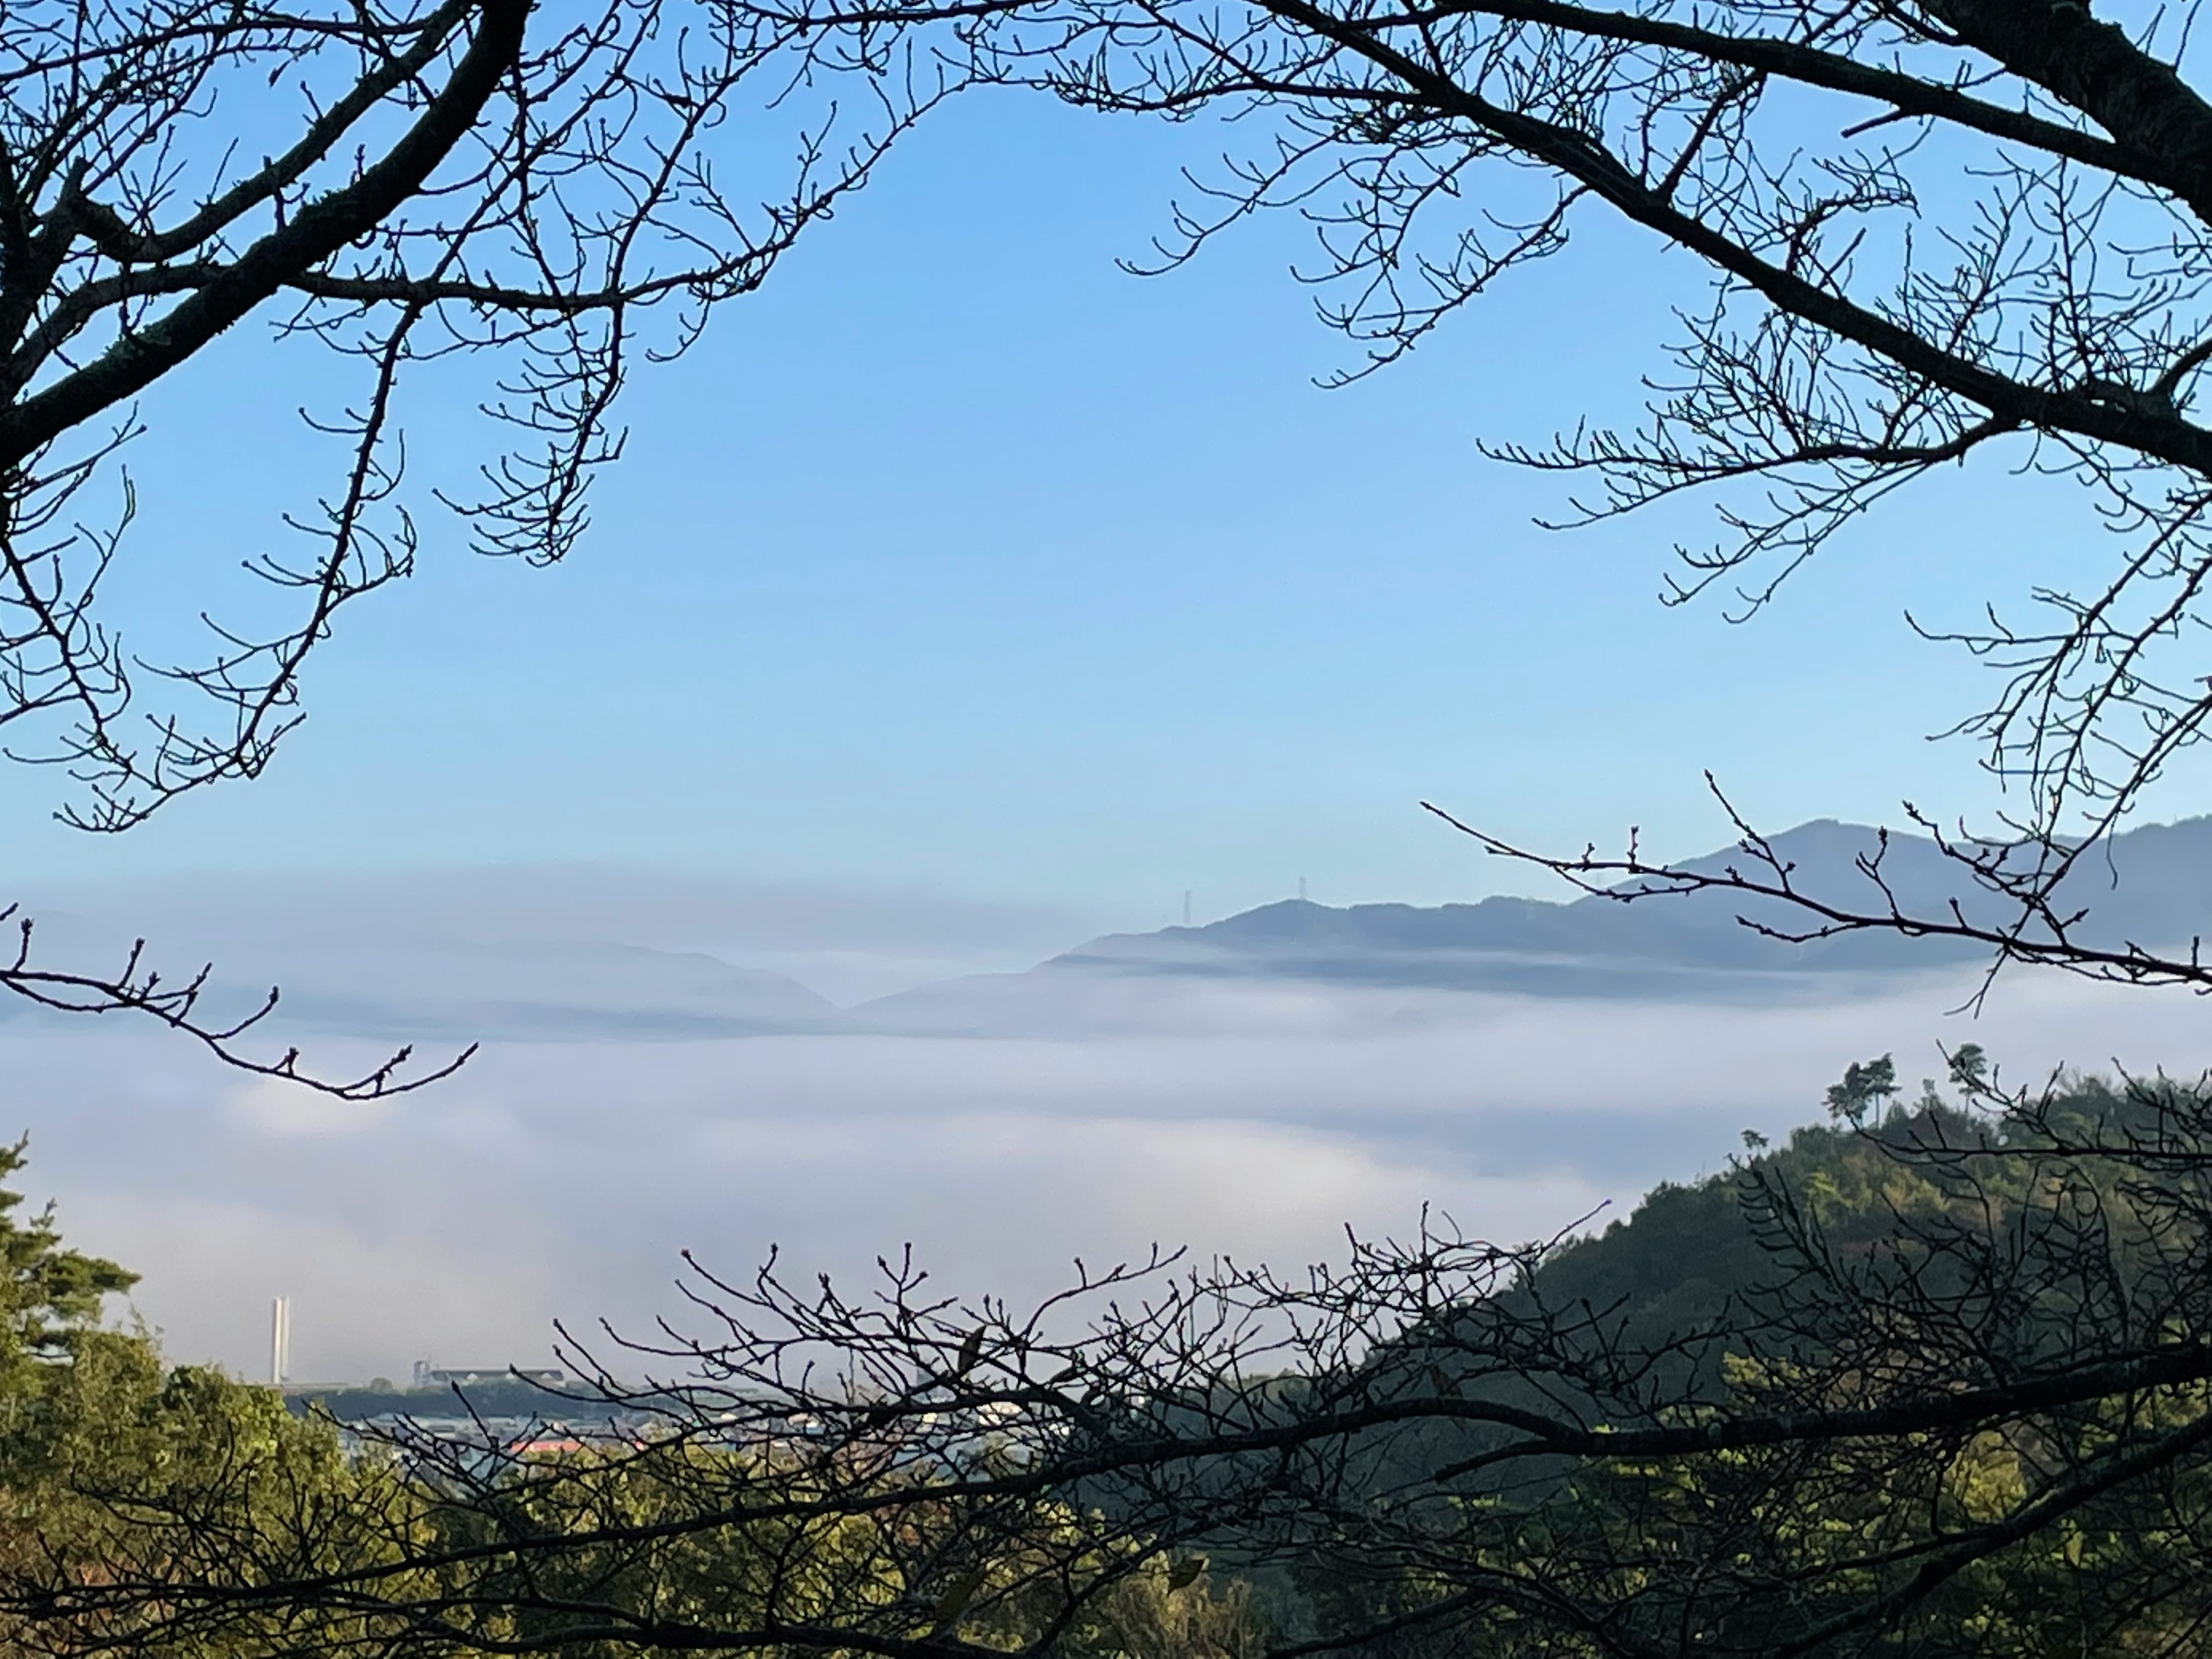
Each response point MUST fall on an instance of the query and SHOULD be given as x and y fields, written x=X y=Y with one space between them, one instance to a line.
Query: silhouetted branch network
x=1969 y=1417
x=555 y=193
x=136 y=989
x=409 y=186
x=2032 y=920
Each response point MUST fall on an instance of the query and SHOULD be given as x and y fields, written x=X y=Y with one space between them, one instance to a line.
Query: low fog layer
x=563 y=1179
x=641 y=1094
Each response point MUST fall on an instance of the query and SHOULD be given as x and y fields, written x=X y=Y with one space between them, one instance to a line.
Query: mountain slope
x=2152 y=885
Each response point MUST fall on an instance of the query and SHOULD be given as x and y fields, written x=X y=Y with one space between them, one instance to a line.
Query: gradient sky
x=958 y=558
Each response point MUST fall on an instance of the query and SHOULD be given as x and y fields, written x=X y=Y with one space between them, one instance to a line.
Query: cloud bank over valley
x=1251 y=1088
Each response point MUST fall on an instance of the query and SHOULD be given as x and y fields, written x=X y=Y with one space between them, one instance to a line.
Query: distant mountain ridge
x=2152 y=885
x=545 y=990
x=440 y=991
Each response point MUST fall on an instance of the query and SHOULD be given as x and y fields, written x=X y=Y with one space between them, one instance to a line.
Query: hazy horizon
x=559 y=1177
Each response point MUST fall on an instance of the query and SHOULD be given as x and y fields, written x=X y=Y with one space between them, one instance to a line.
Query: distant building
x=427 y=1375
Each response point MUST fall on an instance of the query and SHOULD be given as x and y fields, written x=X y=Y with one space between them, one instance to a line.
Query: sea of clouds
x=560 y=1177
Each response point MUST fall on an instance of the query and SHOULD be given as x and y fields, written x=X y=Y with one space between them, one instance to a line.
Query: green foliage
x=1521 y=1469
x=49 y=1297
x=1864 y=1088
x=1969 y=1066
x=112 y=1462
x=175 y=1514
x=1901 y=1255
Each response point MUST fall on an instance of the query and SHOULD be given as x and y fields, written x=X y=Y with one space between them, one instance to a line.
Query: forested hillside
x=1930 y=1377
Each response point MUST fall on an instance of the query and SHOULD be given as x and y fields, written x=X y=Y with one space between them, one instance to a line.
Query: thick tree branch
x=1579 y=157
x=317 y=230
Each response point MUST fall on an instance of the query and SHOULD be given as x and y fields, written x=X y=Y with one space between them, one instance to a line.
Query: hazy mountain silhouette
x=405 y=967
x=2151 y=885
x=544 y=990
x=448 y=991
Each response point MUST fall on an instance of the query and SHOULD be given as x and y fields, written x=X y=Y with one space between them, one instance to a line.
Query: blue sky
x=958 y=558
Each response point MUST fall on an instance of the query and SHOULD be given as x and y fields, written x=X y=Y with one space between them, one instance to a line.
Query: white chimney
x=280 y=1340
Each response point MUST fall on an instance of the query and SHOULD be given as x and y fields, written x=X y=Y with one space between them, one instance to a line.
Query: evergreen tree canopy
x=50 y=1295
